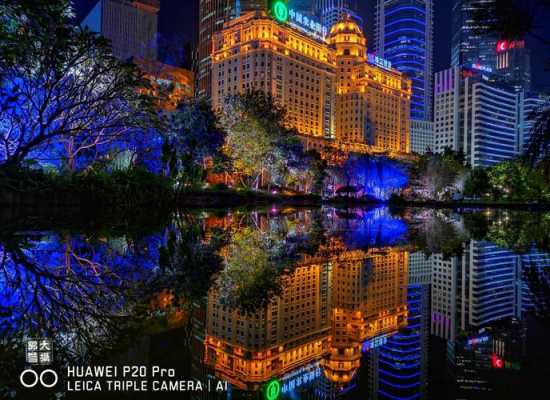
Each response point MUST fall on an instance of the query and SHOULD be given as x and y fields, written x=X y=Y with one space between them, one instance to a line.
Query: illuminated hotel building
x=333 y=91
x=331 y=304
x=131 y=26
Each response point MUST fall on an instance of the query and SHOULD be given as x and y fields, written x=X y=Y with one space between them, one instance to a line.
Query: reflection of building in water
x=330 y=305
x=443 y=296
x=487 y=362
x=248 y=349
x=369 y=299
x=482 y=286
x=477 y=305
x=398 y=368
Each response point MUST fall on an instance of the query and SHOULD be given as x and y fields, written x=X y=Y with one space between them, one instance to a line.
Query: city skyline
x=180 y=21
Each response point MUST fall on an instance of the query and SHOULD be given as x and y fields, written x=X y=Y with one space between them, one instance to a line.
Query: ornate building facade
x=335 y=93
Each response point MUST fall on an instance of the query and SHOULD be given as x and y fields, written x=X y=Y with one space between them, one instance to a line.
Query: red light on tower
x=502 y=45
x=497 y=362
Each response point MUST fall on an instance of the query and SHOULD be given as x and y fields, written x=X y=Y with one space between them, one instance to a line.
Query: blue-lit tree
x=63 y=94
x=376 y=177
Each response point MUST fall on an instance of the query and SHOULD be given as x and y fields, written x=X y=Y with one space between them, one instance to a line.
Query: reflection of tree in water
x=75 y=289
x=261 y=252
x=437 y=232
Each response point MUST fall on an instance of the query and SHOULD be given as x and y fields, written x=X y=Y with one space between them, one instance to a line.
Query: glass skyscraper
x=332 y=11
x=404 y=36
x=472 y=41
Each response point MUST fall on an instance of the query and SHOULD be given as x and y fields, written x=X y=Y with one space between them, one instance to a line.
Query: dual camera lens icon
x=30 y=378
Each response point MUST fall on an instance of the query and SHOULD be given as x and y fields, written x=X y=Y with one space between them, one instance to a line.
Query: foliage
x=64 y=94
x=435 y=232
x=122 y=190
x=262 y=150
x=436 y=176
x=377 y=177
x=513 y=180
x=477 y=182
x=194 y=137
x=188 y=262
x=539 y=139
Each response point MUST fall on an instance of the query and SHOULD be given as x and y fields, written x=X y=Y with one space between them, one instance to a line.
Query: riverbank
x=136 y=191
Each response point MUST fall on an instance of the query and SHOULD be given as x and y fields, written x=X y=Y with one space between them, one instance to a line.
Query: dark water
x=319 y=303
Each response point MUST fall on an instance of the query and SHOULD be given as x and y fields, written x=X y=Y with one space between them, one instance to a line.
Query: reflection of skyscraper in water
x=494 y=288
x=477 y=304
x=398 y=369
x=443 y=295
x=535 y=270
x=481 y=286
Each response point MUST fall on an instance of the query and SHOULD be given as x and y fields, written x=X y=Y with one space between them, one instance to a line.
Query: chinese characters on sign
x=378 y=61
x=39 y=351
x=307 y=24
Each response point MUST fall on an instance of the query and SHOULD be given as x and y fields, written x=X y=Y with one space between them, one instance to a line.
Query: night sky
x=178 y=21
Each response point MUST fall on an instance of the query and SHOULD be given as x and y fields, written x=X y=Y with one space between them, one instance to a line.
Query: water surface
x=330 y=303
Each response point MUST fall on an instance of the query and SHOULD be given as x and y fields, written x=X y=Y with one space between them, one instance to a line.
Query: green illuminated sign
x=280 y=11
x=273 y=390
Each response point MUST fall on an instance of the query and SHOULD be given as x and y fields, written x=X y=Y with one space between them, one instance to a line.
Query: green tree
x=435 y=176
x=516 y=181
x=262 y=149
x=477 y=182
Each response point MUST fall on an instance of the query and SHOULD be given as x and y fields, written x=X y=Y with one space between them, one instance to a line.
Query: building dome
x=348 y=39
x=346 y=26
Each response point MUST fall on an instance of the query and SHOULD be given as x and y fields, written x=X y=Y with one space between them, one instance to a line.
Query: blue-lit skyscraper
x=404 y=36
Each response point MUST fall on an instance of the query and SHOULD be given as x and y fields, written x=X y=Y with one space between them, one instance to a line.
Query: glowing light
x=497 y=362
x=378 y=61
x=280 y=11
x=480 y=67
x=503 y=45
x=273 y=390
x=477 y=340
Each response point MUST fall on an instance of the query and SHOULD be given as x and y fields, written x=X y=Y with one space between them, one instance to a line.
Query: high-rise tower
x=472 y=41
x=332 y=11
x=404 y=36
x=131 y=26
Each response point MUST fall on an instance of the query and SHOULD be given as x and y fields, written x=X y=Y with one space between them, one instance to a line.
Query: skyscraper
x=131 y=26
x=212 y=15
x=477 y=115
x=404 y=36
x=472 y=41
x=513 y=64
x=332 y=11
